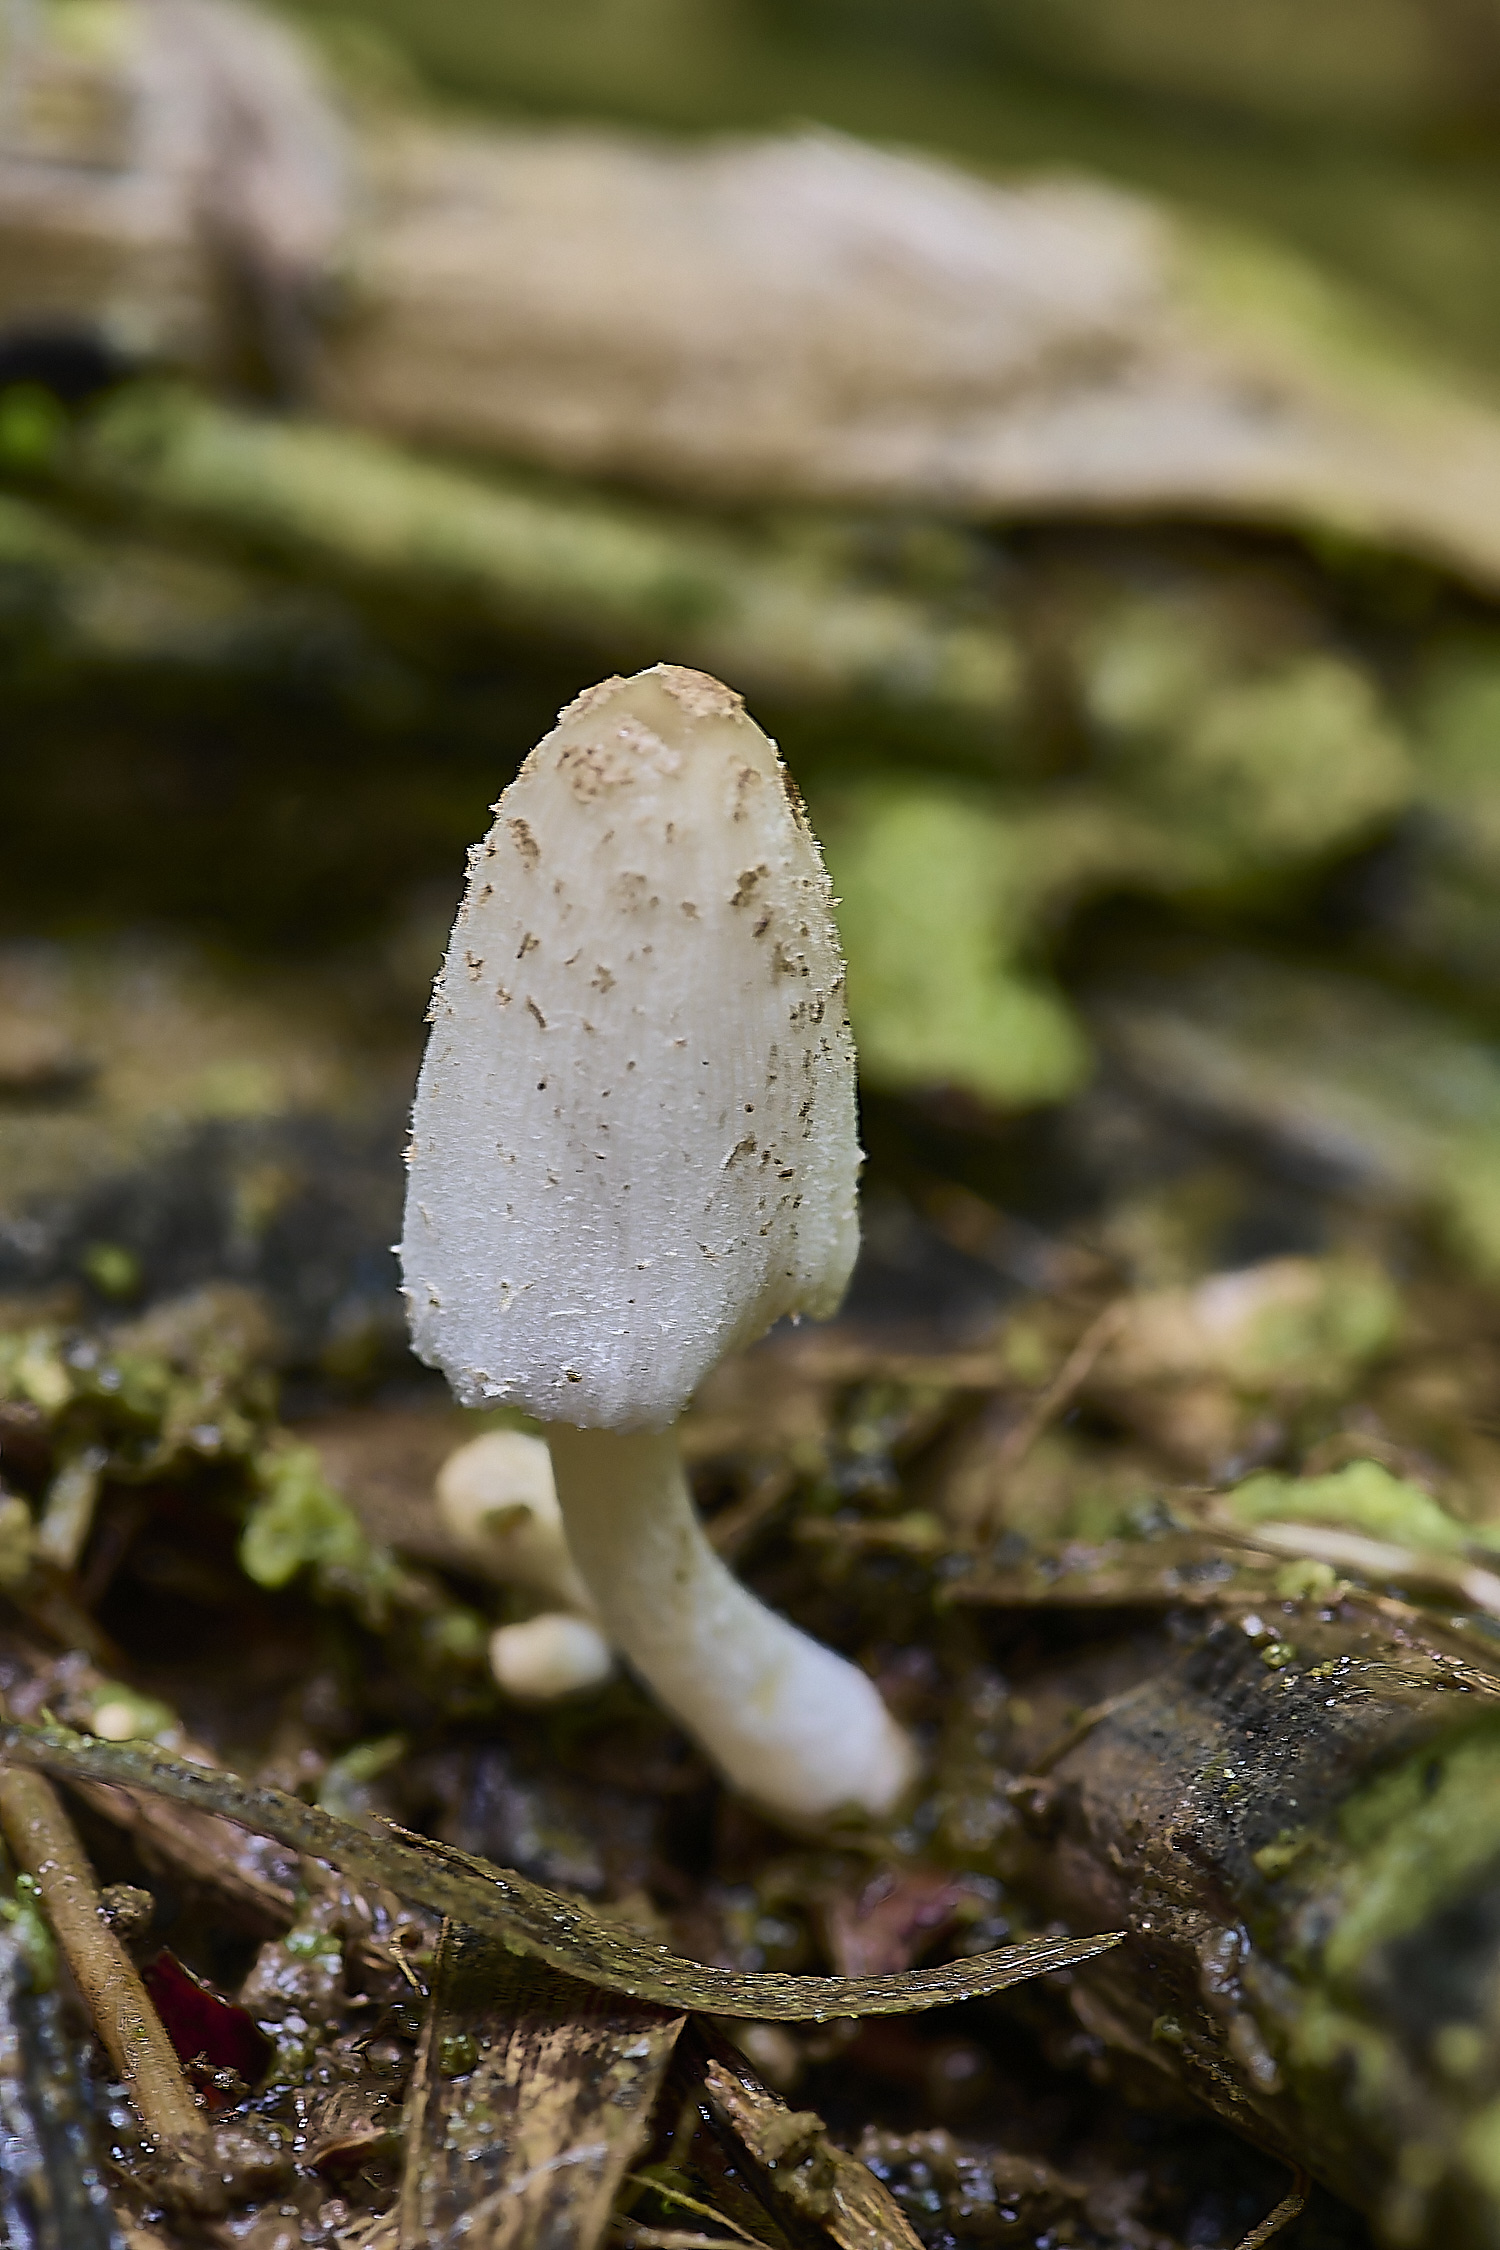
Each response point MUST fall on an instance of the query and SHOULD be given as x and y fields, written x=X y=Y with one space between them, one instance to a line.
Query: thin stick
x=1291 y=2206
x=44 y=1844
x=1057 y=1395
x=1082 y=1727
x=670 y=2238
x=732 y=1526
x=642 y=2182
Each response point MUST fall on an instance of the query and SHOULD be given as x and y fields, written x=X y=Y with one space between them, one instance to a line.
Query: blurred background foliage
x=1167 y=835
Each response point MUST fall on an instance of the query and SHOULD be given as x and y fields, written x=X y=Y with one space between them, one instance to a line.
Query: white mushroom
x=548 y=1656
x=497 y=1497
x=633 y=1148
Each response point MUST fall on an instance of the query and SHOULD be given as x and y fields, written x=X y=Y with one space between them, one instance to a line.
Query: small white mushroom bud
x=497 y=1497
x=633 y=1149
x=548 y=1656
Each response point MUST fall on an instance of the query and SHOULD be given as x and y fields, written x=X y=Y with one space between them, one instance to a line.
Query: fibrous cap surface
x=634 y=1140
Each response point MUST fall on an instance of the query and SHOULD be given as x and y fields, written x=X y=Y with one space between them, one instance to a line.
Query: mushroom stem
x=795 y=1727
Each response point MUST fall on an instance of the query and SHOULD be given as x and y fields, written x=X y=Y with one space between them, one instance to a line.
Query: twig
x=1377 y=1559
x=68 y=1511
x=397 y=1952
x=1082 y=1727
x=1291 y=2206
x=43 y=1841
x=673 y=2238
x=732 y=1526
x=1057 y=1395
x=644 y=2184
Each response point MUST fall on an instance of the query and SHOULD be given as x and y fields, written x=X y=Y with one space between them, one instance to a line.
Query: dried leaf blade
x=524 y=1915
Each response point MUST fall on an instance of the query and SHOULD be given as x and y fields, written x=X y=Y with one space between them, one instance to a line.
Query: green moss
x=1320 y=1338
x=299 y=1523
x=1457 y=728
x=114 y=1270
x=17 y=1542
x=1416 y=1838
x=935 y=888
x=1274 y=1859
x=32 y=1933
x=1481 y=2148
x=504 y=548
x=186 y=1384
x=1334 y=2044
x=1257 y=756
x=1469 y=1209
x=1305 y=1580
x=123 y=1714
x=1291 y=765
x=345 y=1787
x=1364 y=1497
x=32 y=425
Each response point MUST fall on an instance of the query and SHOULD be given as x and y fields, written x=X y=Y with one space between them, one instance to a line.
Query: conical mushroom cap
x=633 y=1145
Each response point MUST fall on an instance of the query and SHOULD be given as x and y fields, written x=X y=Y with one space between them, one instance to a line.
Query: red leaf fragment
x=205 y=2028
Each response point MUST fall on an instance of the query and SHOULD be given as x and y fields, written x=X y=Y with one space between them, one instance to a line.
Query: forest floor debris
x=341 y=1685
